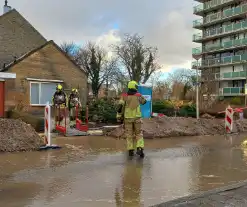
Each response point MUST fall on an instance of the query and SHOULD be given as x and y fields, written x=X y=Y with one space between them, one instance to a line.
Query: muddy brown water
x=94 y=171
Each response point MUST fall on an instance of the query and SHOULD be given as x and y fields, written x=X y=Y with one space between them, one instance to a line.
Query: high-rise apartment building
x=223 y=50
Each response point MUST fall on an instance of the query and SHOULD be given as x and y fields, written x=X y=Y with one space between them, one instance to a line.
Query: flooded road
x=94 y=171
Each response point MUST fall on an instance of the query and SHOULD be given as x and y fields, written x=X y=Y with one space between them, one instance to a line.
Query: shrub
x=101 y=110
x=187 y=110
x=164 y=107
x=235 y=101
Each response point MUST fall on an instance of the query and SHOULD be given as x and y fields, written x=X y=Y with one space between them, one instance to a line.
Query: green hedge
x=187 y=111
x=236 y=101
x=165 y=107
x=101 y=110
x=104 y=110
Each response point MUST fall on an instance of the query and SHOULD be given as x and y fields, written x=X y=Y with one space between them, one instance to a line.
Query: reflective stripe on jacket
x=60 y=99
x=131 y=105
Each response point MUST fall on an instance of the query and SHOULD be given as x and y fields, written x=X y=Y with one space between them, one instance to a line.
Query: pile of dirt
x=207 y=116
x=35 y=121
x=161 y=127
x=15 y=135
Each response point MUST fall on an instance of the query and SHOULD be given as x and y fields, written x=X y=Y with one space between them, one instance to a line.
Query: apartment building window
x=226 y=54
x=214 y=41
x=234 y=37
x=239 y=52
x=41 y=92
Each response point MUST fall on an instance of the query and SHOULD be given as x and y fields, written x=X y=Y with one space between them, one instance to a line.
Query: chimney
x=6 y=8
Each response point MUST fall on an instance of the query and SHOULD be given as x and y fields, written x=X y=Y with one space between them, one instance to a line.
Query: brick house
x=37 y=74
x=17 y=37
x=39 y=65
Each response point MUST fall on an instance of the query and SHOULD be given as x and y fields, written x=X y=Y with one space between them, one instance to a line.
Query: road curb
x=185 y=199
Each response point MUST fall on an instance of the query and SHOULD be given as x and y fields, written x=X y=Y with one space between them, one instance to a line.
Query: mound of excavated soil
x=16 y=135
x=162 y=127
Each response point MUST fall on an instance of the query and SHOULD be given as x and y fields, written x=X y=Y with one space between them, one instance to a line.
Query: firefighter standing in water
x=59 y=101
x=74 y=102
x=129 y=112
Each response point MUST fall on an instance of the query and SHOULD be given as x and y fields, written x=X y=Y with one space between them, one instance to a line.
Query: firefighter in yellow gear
x=74 y=102
x=59 y=101
x=129 y=112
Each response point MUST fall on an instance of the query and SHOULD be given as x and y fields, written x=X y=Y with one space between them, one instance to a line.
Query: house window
x=41 y=92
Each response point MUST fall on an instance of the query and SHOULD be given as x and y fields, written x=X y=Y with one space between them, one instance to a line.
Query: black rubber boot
x=131 y=153
x=140 y=152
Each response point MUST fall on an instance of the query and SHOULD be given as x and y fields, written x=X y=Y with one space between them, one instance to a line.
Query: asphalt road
x=94 y=171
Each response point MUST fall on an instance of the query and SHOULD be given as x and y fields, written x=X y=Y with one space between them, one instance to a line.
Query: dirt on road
x=15 y=135
x=161 y=127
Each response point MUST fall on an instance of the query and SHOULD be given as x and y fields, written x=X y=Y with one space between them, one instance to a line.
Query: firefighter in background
x=59 y=101
x=74 y=102
x=129 y=112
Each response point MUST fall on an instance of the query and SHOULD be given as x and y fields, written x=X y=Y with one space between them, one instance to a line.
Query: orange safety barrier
x=79 y=125
x=235 y=110
x=62 y=129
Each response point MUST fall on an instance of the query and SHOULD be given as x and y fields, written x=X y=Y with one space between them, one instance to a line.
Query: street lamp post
x=245 y=85
x=197 y=58
x=197 y=90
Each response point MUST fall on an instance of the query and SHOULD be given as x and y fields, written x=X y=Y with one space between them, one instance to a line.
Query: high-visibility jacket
x=74 y=100
x=59 y=99
x=129 y=105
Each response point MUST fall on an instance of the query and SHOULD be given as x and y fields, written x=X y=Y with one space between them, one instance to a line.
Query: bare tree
x=160 y=89
x=139 y=61
x=155 y=78
x=120 y=80
x=182 y=76
x=72 y=50
x=69 y=48
x=182 y=81
x=209 y=88
x=99 y=67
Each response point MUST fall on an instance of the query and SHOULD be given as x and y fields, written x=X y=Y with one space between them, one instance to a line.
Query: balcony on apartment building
x=221 y=31
x=231 y=91
x=229 y=60
x=226 y=15
x=238 y=75
x=200 y=1
x=203 y=8
x=220 y=47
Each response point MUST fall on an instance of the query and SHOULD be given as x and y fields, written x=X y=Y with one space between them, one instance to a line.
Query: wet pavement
x=233 y=195
x=94 y=171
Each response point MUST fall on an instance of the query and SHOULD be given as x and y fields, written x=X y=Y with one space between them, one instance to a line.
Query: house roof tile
x=7 y=67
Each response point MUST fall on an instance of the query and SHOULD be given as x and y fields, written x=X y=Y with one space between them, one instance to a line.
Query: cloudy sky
x=166 y=24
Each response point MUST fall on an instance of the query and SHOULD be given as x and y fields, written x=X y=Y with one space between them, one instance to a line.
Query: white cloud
x=163 y=23
x=108 y=39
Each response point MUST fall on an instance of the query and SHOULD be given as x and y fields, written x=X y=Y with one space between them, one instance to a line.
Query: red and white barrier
x=157 y=115
x=48 y=125
x=235 y=110
x=47 y=139
x=229 y=119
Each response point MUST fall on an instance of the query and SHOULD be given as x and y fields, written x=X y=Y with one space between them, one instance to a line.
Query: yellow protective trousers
x=72 y=116
x=59 y=115
x=133 y=133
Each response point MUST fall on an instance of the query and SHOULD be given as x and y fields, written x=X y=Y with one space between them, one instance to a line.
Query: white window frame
x=39 y=82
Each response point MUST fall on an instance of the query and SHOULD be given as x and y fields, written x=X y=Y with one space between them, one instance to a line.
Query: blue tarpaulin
x=146 y=109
